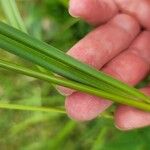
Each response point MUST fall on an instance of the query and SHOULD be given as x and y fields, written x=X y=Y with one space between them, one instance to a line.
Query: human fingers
x=94 y=12
x=130 y=66
x=134 y=63
x=105 y=42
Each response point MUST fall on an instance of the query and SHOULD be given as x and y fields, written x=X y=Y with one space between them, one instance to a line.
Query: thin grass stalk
x=74 y=85
x=31 y=108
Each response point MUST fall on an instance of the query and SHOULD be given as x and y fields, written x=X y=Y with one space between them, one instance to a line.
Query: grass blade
x=71 y=63
x=53 y=65
x=74 y=85
x=12 y=14
x=31 y=108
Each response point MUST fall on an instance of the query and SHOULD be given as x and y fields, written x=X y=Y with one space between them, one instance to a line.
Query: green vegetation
x=49 y=127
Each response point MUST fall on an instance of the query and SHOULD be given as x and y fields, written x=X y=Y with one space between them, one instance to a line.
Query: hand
x=119 y=47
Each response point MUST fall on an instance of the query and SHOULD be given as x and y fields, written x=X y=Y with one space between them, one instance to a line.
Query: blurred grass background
x=48 y=20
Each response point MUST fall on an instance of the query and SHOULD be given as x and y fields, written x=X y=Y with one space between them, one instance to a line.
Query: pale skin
x=119 y=46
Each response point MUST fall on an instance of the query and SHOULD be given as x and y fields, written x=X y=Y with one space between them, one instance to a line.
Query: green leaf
x=54 y=60
x=30 y=108
x=74 y=85
x=12 y=14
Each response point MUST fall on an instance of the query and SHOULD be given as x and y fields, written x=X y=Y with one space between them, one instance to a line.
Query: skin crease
x=130 y=66
x=140 y=9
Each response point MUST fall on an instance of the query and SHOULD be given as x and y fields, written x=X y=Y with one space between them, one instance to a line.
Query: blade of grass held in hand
x=52 y=64
x=74 y=85
x=56 y=69
x=65 y=59
x=65 y=71
x=54 y=60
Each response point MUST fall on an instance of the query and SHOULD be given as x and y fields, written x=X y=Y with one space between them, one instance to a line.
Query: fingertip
x=122 y=122
x=128 y=118
x=84 y=107
x=77 y=8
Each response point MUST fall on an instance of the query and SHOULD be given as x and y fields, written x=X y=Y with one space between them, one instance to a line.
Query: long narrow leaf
x=54 y=53
x=12 y=14
x=53 y=65
x=31 y=108
x=74 y=85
